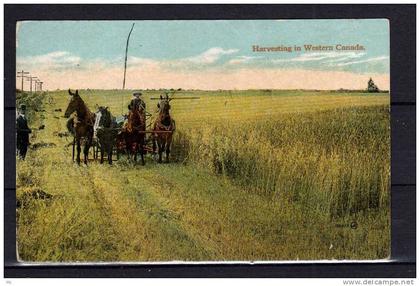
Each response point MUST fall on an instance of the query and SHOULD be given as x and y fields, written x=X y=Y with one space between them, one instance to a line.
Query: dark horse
x=80 y=126
x=132 y=135
x=164 y=122
x=106 y=132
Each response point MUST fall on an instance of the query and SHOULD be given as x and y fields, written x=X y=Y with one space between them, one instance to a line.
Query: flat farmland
x=254 y=175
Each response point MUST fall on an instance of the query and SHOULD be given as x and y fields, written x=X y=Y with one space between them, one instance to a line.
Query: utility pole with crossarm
x=22 y=74
x=37 y=85
x=31 y=78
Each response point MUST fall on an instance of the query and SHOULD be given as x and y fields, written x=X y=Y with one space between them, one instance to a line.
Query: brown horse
x=163 y=122
x=82 y=125
x=132 y=135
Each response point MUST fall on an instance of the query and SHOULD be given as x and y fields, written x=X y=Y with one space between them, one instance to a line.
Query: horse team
x=129 y=138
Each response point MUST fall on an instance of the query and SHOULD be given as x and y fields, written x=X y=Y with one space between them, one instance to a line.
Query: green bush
x=33 y=102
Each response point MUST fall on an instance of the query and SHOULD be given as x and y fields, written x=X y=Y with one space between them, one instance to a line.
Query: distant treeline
x=357 y=90
x=239 y=90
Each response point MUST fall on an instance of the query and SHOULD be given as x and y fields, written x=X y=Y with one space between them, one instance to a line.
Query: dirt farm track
x=254 y=175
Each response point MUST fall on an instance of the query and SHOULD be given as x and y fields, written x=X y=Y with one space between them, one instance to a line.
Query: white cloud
x=54 y=60
x=320 y=56
x=344 y=56
x=211 y=55
x=242 y=60
x=376 y=59
x=136 y=61
x=62 y=69
x=63 y=60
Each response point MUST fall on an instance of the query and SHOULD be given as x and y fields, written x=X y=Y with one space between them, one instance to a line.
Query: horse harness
x=88 y=120
x=165 y=123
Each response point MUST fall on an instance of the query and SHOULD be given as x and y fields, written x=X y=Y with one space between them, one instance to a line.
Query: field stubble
x=291 y=184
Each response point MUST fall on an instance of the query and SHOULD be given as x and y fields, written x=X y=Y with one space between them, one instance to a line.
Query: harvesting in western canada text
x=308 y=48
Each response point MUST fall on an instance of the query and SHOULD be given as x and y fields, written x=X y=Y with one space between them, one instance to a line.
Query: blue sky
x=206 y=44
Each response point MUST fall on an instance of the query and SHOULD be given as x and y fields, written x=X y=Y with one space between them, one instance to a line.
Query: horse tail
x=70 y=126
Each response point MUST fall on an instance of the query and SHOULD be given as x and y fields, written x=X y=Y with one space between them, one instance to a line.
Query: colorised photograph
x=207 y=141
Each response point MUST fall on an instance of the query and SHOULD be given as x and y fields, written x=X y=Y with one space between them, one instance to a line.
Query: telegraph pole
x=30 y=79
x=37 y=85
x=23 y=74
x=40 y=85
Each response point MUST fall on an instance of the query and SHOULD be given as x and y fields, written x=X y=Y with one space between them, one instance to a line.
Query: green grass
x=253 y=177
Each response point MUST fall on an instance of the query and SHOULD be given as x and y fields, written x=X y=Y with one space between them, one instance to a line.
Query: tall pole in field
x=125 y=67
x=126 y=52
x=22 y=74
x=30 y=79
x=40 y=85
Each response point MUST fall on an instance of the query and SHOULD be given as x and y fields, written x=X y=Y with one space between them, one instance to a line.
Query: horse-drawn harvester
x=132 y=134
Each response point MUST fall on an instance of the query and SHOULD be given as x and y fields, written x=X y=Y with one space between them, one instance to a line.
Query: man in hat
x=22 y=132
x=137 y=102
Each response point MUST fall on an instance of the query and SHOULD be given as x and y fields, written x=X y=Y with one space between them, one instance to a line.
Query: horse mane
x=135 y=120
x=86 y=108
x=84 y=113
x=164 y=116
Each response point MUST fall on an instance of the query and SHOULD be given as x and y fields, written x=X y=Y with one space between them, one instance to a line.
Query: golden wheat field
x=254 y=175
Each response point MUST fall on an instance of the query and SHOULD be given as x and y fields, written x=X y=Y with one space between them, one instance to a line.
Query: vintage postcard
x=203 y=141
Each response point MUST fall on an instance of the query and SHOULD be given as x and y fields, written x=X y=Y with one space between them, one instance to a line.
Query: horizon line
x=180 y=90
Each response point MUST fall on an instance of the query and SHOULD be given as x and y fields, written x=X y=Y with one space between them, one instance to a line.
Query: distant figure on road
x=22 y=132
